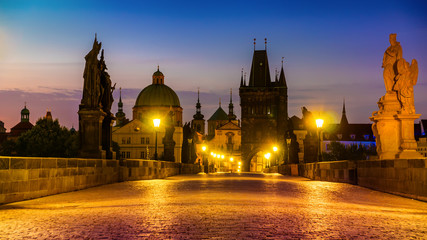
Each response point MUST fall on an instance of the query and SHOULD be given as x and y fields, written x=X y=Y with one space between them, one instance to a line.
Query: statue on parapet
x=107 y=90
x=391 y=56
x=404 y=84
x=92 y=78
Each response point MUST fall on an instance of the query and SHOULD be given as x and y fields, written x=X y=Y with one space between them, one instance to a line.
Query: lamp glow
x=267 y=155
x=156 y=122
x=203 y=148
x=319 y=123
x=231 y=159
x=275 y=148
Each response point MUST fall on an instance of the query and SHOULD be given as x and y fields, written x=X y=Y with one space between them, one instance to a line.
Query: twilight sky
x=332 y=49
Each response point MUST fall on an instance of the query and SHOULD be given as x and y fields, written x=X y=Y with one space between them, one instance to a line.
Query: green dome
x=25 y=111
x=157 y=95
x=158 y=73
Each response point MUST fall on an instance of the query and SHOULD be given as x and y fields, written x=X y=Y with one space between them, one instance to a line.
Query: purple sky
x=333 y=50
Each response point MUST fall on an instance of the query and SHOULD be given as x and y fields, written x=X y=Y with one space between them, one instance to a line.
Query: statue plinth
x=90 y=128
x=408 y=145
x=394 y=133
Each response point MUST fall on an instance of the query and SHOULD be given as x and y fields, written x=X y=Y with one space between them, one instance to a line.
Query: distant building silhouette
x=22 y=126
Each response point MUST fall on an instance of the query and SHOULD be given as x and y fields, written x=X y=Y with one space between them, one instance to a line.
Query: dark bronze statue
x=92 y=78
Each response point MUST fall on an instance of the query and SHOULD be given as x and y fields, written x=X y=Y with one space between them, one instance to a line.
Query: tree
x=341 y=152
x=48 y=139
x=8 y=148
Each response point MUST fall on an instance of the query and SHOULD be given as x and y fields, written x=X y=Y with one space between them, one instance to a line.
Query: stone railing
x=24 y=178
x=405 y=177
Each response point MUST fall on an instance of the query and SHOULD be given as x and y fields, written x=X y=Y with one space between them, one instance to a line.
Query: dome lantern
x=158 y=77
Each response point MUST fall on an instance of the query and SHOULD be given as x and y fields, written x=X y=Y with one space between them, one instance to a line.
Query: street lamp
x=275 y=155
x=319 y=124
x=267 y=156
x=206 y=165
x=156 y=123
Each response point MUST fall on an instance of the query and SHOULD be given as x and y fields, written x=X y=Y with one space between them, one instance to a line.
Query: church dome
x=25 y=111
x=158 y=73
x=157 y=95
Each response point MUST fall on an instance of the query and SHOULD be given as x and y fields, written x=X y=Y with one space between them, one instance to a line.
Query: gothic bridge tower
x=264 y=108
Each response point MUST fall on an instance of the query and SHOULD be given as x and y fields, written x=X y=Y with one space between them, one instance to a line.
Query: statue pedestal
x=90 y=129
x=394 y=131
x=408 y=145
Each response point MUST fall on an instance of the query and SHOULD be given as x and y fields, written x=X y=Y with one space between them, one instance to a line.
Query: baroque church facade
x=137 y=138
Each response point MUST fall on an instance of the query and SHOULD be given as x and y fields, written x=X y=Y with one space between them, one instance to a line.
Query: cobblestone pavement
x=218 y=206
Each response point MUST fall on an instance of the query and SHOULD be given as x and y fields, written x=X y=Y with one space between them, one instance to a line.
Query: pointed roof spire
x=241 y=79
x=344 y=121
x=254 y=43
x=231 y=115
x=120 y=103
x=282 y=78
x=198 y=115
x=265 y=42
x=244 y=80
x=219 y=102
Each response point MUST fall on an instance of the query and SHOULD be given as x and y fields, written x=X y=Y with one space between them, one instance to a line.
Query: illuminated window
x=142 y=155
x=128 y=140
x=142 y=140
x=147 y=140
x=123 y=140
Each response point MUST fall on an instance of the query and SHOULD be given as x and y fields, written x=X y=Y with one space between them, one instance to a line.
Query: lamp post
x=319 y=124
x=156 y=123
x=267 y=156
x=275 y=155
x=205 y=166
x=288 y=144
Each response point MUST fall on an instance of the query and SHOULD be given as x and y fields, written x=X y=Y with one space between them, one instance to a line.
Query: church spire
x=198 y=115
x=120 y=104
x=231 y=115
x=282 y=78
x=120 y=115
x=344 y=120
x=241 y=79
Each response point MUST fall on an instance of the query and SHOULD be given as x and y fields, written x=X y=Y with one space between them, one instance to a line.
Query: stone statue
x=393 y=124
x=106 y=98
x=404 y=84
x=391 y=56
x=91 y=76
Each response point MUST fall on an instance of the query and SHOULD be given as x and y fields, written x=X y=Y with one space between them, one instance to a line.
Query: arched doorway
x=257 y=163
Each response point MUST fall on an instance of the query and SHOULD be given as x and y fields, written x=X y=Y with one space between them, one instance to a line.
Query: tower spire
x=265 y=42
x=231 y=115
x=282 y=78
x=254 y=43
x=344 y=120
x=198 y=115
x=241 y=79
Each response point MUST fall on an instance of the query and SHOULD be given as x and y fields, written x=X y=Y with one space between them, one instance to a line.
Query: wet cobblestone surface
x=217 y=206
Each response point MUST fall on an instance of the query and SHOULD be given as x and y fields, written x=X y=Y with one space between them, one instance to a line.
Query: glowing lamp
x=156 y=122
x=319 y=123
